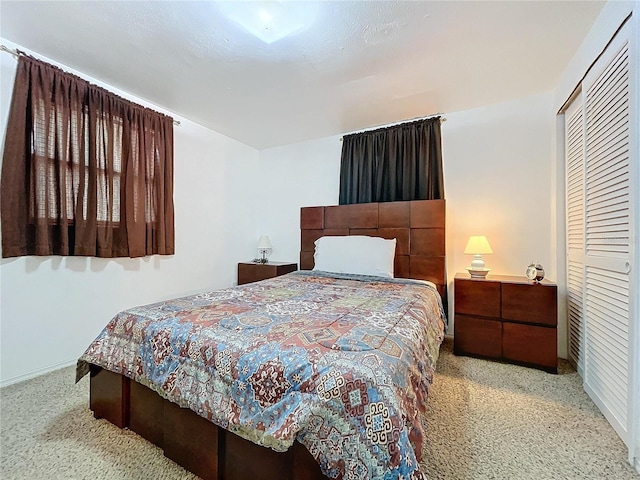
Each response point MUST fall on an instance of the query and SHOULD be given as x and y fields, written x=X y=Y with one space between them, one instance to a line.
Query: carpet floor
x=485 y=420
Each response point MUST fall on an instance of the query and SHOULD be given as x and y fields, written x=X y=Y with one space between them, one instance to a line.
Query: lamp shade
x=478 y=245
x=264 y=242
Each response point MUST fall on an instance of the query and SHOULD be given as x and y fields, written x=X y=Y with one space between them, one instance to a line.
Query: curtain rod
x=17 y=53
x=442 y=119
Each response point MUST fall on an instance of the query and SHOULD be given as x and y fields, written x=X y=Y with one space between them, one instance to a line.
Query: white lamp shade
x=264 y=242
x=478 y=245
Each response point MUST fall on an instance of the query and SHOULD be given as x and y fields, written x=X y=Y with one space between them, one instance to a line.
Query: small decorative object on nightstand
x=478 y=246
x=253 y=272
x=535 y=272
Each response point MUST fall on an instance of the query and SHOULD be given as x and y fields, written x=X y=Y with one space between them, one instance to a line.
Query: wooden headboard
x=418 y=226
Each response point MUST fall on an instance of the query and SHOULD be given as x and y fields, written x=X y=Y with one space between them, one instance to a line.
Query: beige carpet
x=486 y=420
x=489 y=420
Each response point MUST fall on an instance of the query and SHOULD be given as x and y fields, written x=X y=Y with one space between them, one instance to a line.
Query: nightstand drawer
x=530 y=344
x=474 y=297
x=477 y=336
x=533 y=303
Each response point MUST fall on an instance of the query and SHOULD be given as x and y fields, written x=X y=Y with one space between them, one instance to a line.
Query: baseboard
x=36 y=373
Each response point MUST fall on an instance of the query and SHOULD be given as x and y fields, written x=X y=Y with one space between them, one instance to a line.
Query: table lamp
x=264 y=247
x=478 y=246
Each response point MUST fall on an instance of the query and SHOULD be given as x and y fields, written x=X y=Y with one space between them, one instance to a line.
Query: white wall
x=497 y=162
x=298 y=175
x=497 y=171
x=52 y=307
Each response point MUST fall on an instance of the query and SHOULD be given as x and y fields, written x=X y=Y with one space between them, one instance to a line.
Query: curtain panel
x=398 y=163
x=84 y=172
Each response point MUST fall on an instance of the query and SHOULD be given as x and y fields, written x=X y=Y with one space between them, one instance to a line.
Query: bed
x=309 y=375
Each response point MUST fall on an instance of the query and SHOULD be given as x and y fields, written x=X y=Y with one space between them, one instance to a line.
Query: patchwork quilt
x=341 y=363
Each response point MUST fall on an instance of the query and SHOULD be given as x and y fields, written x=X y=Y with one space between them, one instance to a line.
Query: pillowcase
x=358 y=254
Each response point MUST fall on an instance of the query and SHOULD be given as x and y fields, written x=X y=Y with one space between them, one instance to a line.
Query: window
x=398 y=163
x=84 y=171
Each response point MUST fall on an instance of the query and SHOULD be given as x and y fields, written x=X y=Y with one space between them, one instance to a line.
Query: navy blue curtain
x=398 y=163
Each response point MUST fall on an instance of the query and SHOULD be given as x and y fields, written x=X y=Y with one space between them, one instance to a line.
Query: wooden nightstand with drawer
x=506 y=318
x=253 y=272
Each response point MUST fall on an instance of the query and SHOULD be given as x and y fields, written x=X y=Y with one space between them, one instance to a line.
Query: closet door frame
x=574 y=255
x=634 y=148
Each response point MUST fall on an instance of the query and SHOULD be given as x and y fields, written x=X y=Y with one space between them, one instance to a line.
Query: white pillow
x=356 y=254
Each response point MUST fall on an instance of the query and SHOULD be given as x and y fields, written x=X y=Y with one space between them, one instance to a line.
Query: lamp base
x=264 y=252
x=478 y=272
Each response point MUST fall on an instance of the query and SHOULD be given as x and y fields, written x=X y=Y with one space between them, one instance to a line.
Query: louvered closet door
x=607 y=235
x=574 y=188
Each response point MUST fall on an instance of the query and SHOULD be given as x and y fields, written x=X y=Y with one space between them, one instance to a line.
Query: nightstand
x=252 y=272
x=506 y=318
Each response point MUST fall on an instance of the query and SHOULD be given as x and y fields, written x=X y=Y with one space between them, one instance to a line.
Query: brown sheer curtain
x=398 y=163
x=84 y=171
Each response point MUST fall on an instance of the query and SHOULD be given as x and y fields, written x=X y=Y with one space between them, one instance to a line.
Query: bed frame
x=213 y=453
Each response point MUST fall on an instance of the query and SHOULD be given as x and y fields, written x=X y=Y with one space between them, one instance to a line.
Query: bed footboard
x=191 y=441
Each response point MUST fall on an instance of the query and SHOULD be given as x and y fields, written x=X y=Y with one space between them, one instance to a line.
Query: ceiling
x=358 y=64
